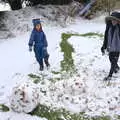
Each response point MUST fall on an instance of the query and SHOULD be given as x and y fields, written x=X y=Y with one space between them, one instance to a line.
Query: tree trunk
x=15 y=4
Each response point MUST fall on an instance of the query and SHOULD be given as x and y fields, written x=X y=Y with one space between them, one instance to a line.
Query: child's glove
x=45 y=48
x=30 y=48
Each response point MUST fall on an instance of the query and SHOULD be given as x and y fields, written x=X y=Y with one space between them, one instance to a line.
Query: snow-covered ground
x=93 y=96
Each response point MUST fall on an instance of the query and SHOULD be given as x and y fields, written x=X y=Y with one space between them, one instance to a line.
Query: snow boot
x=108 y=78
x=41 y=65
x=41 y=68
x=46 y=61
x=117 y=69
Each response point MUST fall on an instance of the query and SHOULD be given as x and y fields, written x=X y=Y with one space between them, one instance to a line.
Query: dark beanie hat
x=113 y=16
x=36 y=22
x=116 y=14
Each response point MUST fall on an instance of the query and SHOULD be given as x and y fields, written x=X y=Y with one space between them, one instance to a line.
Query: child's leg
x=113 y=60
x=117 y=57
x=46 y=61
x=41 y=64
x=117 y=66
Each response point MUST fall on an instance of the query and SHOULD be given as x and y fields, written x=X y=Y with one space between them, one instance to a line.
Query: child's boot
x=41 y=65
x=108 y=78
x=47 y=63
x=117 y=69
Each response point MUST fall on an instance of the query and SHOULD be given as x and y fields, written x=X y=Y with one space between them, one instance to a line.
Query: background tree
x=15 y=4
x=44 y=2
x=105 y=5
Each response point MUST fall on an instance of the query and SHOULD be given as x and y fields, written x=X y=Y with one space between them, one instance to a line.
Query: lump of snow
x=4 y=7
x=24 y=97
x=75 y=86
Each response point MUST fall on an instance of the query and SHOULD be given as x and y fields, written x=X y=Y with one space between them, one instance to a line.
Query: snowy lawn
x=80 y=89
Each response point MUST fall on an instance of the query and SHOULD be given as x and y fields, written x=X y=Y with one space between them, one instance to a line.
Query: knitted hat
x=113 y=16
x=36 y=21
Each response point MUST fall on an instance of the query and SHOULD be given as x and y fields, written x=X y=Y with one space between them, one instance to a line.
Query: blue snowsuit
x=38 y=40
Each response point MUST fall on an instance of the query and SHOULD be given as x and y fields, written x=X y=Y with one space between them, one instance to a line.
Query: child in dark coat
x=38 y=40
x=112 y=42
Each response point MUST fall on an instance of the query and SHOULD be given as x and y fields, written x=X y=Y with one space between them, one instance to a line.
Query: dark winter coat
x=112 y=34
x=38 y=40
x=107 y=36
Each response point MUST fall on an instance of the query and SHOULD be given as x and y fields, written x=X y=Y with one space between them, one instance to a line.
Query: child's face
x=38 y=27
x=114 y=22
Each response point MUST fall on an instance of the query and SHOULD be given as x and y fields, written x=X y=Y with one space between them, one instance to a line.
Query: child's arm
x=104 y=46
x=106 y=37
x=45 y=40
x=31 y=39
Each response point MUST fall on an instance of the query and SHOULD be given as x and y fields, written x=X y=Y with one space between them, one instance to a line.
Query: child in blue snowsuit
x=38 y=40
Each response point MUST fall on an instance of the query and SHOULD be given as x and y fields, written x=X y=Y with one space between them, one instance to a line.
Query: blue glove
x=30 y=48
x=45 y=48
x=45 y=51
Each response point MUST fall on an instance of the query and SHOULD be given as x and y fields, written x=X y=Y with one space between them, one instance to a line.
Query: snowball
x=75 y=86
x=24 y=97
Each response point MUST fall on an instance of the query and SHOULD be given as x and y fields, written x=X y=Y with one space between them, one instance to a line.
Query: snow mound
x=4 y=6
x=24 y=97
x=73 y=86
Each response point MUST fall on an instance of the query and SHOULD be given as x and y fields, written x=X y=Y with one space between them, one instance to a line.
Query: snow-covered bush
x=24 y=97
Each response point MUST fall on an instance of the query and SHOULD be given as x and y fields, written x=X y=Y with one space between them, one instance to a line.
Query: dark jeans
x=113 y=57
x=45 y=60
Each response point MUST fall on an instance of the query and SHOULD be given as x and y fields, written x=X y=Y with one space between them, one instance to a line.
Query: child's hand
x=30 y=48
x=45 y=48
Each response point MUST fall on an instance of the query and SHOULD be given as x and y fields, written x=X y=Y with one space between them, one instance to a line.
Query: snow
x=28 y=101
x=84 y=92
x=4 y=7
x=18 y=116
